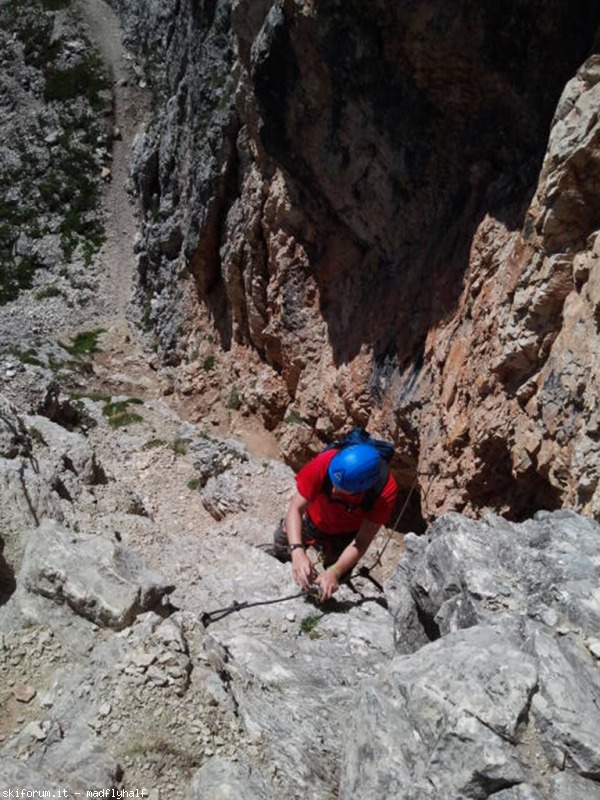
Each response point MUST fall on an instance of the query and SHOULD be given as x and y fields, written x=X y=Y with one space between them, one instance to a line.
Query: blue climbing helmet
x=356 y=468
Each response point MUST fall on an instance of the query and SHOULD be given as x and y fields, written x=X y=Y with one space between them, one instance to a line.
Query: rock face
x=454 y=740
x=343 y=197
x=513 y=610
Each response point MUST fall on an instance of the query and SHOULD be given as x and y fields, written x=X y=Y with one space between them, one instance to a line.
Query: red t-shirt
x=332 y=516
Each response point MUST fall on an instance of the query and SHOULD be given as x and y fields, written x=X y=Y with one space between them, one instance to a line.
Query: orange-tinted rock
x=370 y=236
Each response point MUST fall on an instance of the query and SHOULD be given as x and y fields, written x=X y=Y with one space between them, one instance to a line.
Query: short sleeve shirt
x=332 y=516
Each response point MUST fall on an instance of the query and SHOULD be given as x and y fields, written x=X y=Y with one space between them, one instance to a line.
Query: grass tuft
x=27 y=356
x=309 y=624
x=36 y=435
x=179 y=447
x=49 y=291
x=152 y=443
x=126 y=418
x=85 y=343
x=118 y=413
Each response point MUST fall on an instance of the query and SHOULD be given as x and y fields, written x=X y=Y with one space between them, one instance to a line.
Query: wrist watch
x=294 y=546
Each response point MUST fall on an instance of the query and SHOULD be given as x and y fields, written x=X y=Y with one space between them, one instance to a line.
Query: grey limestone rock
x=72 y=759
x=223 y=495
x=221 y=779
x=25 y=499
x=521 y=791
x=564 y=786
x=292 y=667
x=69 y=451
x=435 y=719
x=194 y=68
x=25 y=496
x=510 y=610
x=569 y=690
x=14 y=440
x=216 y=456
x=98 y=580
x=465 y=571
x=19 y=774
x=568 y=786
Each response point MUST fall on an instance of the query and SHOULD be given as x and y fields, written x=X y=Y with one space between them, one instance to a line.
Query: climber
x=343 y=497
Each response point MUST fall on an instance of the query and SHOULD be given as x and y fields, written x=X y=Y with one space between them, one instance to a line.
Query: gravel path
x=130 y=108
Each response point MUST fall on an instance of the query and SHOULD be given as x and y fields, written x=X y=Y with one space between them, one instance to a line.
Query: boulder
x=213 y=456
x=442 y=719
x=26 y=497
x=223 y=495
x=98 y=580
x=67 y=450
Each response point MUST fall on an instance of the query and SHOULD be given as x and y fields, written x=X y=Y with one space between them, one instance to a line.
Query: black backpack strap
x=372 y=494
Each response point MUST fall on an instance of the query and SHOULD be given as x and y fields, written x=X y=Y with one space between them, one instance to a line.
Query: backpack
x=385 y=450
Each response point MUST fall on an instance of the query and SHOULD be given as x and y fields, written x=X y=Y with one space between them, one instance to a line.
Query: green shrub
x=112 y=409
x=36 y=435
x=118 y=413
x=308 y=625
x=96 y=397
x=86 y=78
x=123 y=419
x=27 y=356
x=208 y=363
x=293 y=418
x=85 y=343
x=234 y=401
x=92 y=246
x=152 y=443
x=147 y=312
x=179 y=447
x=49 y=291
x=15 y=275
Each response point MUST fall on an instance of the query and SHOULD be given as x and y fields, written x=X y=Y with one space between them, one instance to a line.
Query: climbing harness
x=314 y=590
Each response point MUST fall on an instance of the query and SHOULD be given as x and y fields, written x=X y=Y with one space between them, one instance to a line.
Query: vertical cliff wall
x=354 y=211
